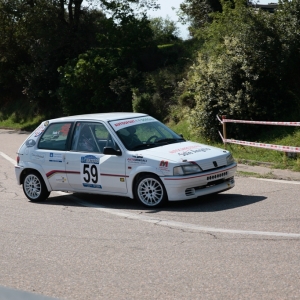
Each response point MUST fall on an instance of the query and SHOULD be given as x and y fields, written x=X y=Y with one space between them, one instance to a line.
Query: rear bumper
x=18 y=172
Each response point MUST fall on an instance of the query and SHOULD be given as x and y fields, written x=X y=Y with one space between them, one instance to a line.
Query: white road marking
x=174 y=224
x=277 y=180
x=8 y=158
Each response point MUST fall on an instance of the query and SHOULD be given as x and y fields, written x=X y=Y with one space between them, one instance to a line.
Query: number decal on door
x=90 y=172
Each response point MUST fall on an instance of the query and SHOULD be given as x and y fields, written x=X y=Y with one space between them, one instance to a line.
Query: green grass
x=13 y=122
x=18 y=114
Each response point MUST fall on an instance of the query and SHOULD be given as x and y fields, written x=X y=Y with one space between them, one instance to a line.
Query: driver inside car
x=129 y=137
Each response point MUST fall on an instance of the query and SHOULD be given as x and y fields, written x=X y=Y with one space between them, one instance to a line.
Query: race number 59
x=90 y=176
x=90 y=173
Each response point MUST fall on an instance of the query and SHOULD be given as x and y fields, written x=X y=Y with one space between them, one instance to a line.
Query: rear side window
x=55 y=136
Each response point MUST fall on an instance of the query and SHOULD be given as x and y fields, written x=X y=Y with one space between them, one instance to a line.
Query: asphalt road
x=241 y=244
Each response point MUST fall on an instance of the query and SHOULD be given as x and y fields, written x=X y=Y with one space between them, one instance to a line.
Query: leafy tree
x=39 y=36
x=155 y=92
x=197 y=12
x=101 y=78
x=242 y=72
x=12 y=54
x=165 y=31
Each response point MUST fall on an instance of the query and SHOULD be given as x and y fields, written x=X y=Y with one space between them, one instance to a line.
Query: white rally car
x=124 y=154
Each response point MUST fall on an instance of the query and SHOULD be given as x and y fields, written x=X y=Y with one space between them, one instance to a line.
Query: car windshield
x=147 y=135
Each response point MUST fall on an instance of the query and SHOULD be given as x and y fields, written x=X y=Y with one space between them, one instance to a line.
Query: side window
x=55 y=136
x=91 y=137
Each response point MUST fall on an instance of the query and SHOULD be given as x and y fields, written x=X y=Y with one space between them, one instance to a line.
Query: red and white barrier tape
x=221 y=137
x=219 y=119
x=262 y=145
x=266 y=146
x=259 y=122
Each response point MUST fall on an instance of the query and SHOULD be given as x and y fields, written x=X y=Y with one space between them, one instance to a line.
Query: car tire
x=150 y=191
x=34 y=187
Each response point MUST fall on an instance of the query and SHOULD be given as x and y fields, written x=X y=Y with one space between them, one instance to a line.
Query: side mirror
x=111 y=151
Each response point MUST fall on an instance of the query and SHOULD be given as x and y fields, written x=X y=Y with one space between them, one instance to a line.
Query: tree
x=101 y=78
x=197 y=12
x=243 y=71
x=37 y=38
x=165 y=31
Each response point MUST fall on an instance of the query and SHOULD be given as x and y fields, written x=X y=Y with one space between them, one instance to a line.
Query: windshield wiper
x=143 y=146
x=157 y=143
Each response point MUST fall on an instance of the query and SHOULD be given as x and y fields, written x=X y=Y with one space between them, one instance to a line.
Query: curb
x=267 y=172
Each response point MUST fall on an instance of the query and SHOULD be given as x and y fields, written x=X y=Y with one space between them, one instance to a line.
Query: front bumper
x=190 y=187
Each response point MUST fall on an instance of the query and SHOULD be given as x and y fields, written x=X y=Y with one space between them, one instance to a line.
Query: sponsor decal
x=56 y=157
x=92 y=185
x=133 y=160
x=40 y=129
x=37 y=156
x=190 y=150
x=60 y=179
x=90 y=159
x=164 y=164
x=120 y=124
x=30 y=143
x=184 y=149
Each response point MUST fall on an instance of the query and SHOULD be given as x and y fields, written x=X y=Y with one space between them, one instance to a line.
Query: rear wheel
x=34 y=187
x=150 y=191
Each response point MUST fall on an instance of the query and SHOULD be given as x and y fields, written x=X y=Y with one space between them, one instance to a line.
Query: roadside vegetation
x=64 y=57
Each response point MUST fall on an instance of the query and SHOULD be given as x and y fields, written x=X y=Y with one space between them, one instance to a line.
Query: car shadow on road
x=210 y=203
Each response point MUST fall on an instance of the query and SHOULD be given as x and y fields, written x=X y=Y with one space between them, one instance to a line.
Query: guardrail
x=287 y=149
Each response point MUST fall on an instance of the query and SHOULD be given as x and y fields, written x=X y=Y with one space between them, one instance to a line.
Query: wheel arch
x=142 y=173
x=28 y=170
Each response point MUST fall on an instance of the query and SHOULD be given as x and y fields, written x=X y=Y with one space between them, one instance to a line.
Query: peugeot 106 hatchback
x=124 y=154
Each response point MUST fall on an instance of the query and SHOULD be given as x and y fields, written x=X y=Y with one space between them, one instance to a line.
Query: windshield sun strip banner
x=120 y=124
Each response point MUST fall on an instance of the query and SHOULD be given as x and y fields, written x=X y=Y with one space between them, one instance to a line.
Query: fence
x=287 y=149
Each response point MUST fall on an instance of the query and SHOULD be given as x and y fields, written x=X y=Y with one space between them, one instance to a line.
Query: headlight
x=230 y=159
x=186 y=169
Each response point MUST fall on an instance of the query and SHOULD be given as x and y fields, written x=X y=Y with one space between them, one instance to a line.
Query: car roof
x=100 y=116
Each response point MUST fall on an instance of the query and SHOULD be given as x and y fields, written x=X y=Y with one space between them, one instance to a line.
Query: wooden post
x=224 y=130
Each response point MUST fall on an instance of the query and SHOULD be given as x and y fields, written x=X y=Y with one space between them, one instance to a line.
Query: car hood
x=207 y=157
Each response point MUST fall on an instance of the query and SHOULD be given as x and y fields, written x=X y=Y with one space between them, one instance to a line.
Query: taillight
x=18 y=159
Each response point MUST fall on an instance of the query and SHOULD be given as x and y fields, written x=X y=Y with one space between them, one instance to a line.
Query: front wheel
x=150 y=191
x=34 y=187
